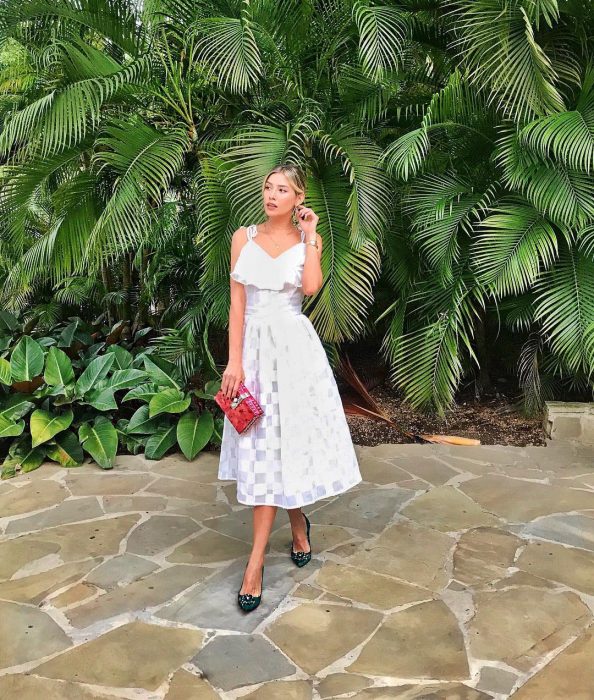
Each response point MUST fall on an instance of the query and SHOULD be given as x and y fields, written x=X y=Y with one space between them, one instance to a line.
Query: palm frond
x=228 y=47
x=443 y=211
x=496 y=41
x=349 y=274
x=429 y=366
x=367 y=210
x=565 y=308
x=514 y=245
x=566 y=137
x=382 y=32
x=143 y=161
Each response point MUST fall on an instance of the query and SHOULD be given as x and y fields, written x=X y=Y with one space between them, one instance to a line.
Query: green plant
x=54 y=406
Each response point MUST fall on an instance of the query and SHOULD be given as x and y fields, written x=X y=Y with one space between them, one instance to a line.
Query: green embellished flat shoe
x=301 y=558
x=247 y=601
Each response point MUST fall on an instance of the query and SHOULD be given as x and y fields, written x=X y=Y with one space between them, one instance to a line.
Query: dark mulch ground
x=492 y=420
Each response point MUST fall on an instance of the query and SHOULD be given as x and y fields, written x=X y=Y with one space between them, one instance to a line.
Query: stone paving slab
x=449 y=573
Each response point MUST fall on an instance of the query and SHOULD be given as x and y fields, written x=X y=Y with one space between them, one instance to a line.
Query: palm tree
x=497 y=198
x=448 y=147
x=190 y=103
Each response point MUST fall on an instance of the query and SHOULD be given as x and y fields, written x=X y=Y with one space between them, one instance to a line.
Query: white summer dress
x=301 y=449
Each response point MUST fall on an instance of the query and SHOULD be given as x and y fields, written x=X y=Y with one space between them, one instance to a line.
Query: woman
x=300 y=450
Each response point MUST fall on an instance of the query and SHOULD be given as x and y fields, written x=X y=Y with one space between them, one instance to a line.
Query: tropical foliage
x=62 y=401
x=449 y=147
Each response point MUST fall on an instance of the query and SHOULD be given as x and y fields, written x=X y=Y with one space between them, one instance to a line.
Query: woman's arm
x=234 y=373
x=312 y=278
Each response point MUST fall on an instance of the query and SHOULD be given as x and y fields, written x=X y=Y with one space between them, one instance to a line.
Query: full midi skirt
x=300 y=450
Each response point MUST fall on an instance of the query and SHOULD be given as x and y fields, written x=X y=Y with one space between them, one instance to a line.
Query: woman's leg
x=299 y=530
x=263 y=520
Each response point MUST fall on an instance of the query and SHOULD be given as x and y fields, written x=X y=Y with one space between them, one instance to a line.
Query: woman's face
x=279 y=196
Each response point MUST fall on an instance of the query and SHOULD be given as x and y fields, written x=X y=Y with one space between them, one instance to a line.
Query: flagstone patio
x=450 y=573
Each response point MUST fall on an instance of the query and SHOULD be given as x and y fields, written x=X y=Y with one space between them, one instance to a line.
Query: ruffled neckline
x=277 y=273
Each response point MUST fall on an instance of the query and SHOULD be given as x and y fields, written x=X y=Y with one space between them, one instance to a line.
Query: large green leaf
x=8 y=322
x=26 y=360
x=160 y=376
x=142 y=423
x=125 y=378
x=144 y=392
x=66 y=338
x=5 y=372
x=15 y=406
x=194 y=432
x=102 y=399
x=44 y=425
x=100 y=440
x=160 y=442
x=97 y=369
x=168 y=401
x=10 y=428
x=123 y=357
x=58 y=368
x=67 y=450
x=26 y=457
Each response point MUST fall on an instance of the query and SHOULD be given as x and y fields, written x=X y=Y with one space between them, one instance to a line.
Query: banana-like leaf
x=5 y=372
x=27 y=458
x=160 y=442
x=26 y=361
x=159 y=375
x=100 y=440
x=144 y=392
x=58 y=368
x=102 y=399
x=126 y=378
x=142 y=423
x=194 y=432
x=10 y=428
x=123 y=357
x=67 y=450
x=15 y=406
x=168 y=401
x=96 y=370
x=45 y=425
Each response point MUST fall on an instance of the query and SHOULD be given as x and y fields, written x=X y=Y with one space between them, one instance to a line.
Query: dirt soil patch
x=492 y=420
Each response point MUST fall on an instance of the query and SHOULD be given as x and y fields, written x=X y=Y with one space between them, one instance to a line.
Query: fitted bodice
x=271 y=283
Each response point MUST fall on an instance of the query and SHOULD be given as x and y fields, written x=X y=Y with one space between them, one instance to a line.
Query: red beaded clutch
x=243 y=410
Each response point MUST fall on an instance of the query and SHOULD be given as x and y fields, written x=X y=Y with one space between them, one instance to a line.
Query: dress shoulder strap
x=251 y=231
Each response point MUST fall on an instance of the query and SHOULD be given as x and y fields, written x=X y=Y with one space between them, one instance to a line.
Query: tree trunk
x=484 y=357
x=107 y=285
x=127 y=285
